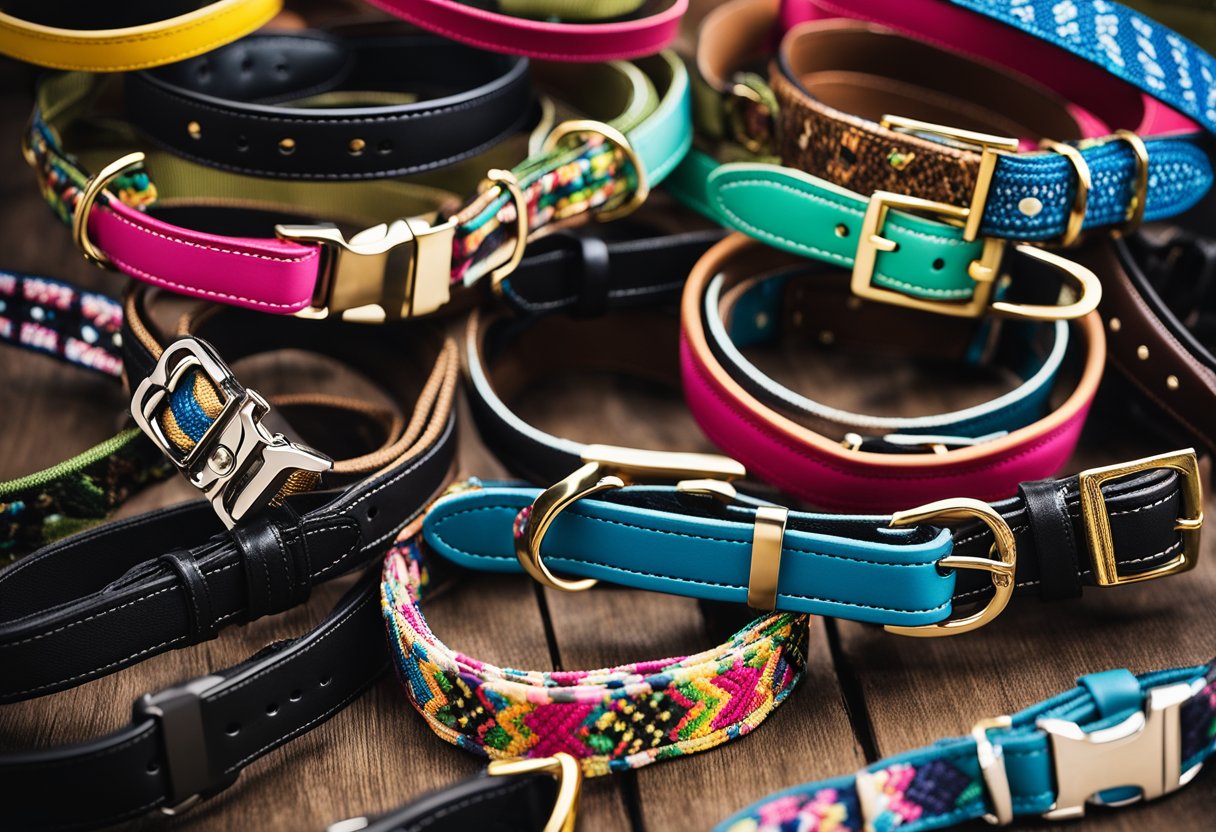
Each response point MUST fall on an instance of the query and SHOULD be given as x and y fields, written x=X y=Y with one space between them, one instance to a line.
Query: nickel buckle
x=1144 y=751
x=237 y=463
x=1097 y=522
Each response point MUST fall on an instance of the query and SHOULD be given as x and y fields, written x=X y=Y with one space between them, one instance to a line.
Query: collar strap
x=1115 y=738
x=634 y=34
x=610 y=719
x=190 y=741
x=82 y=329
x=584 y=170
x=1120 y=524
x=525 y=795
x=1159 y=323
x=66 y=35
x=352 y=108
x=756 y=427
x=865 y=107
x=179 y=566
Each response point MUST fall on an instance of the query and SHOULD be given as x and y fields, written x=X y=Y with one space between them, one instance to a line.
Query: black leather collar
x=108 y=598
x=225 y=108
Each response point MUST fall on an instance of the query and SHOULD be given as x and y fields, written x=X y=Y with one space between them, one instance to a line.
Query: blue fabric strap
x=942 y=785
x=1125 y=43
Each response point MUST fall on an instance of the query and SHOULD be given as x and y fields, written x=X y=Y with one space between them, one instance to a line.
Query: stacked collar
x=1114 y=739
x=737 y=294
x=405 y=268
x=125 y=36
x=82 y=329
x=551 y=30
x=80 y=609
x=315 y=105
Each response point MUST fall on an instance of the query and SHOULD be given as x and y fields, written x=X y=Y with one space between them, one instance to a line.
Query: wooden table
x=866 y=694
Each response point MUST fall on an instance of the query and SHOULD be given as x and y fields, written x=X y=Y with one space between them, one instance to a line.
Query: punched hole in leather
x=1055 y=545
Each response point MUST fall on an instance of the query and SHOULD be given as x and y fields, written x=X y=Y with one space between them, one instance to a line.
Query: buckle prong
x=606 y=467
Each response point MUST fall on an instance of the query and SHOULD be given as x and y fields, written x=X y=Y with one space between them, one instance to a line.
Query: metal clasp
x=395 y=270
x=237 y=463
x=1002 y=568
x=606 y=467
x=1096 y=520
x=187 y=764
x=1142 y=751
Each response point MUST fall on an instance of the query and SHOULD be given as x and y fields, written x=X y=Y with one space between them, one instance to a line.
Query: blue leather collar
x=944 y=785
x=857 y=567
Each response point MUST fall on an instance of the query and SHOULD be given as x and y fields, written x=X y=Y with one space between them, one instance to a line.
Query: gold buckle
x=1097 y=522
x=983 y=271
x=565 y=769
x=395 y=270
x=1002 y=569
x=615 y=137
x=84 y=206
x=606 y=467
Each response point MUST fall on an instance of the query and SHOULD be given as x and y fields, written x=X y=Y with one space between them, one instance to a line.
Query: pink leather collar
x=820 y=469
x=1100 y=102
x=542 y=39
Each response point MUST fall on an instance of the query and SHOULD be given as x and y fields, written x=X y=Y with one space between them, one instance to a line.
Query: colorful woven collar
x=82 y=329
x=1113 y=739
x=609 y=719
x=584 y=170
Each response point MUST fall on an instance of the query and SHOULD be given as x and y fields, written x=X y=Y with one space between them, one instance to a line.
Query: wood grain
x=893 y=693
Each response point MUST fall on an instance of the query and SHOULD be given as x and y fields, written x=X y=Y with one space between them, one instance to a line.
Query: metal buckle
x=391 y=271
x=617 y=138
x=84 y=207
x=237 y=463
x=1002 y=569
x=1097 y=522
x=565 y=770
x=187 y=765
x=992 y=766
x=750 y=105
x=1144 y=751
x=608 y=466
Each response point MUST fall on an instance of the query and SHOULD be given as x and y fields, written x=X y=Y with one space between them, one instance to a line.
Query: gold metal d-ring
x=1135 y=210
x=88 y=196
x=616 y=137
x=1002 y=569
x=504 y=179
x=607 y=467
x=1080 y=202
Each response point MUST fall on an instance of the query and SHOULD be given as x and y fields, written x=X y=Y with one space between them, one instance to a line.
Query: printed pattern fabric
x=610 y=719
x=84 y=329
x=937 y=790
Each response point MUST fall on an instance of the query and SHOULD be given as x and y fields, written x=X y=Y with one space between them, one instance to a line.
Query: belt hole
x=153 y=767
x=325 y=680
x=939 y=264
x=296 y=695
x=242 y=143
x=842 y=230
x=246 y=64
x=272 y=709
x=372 y=511
x=385 y=147
x=233 y=729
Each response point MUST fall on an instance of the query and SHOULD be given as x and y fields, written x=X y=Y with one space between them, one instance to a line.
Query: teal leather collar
x=1113 y=739
x=665 y=539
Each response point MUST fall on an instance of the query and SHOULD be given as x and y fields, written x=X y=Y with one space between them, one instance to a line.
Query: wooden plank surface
x=862 y=688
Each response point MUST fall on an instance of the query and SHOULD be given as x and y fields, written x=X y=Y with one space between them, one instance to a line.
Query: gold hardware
x=1002 y=569
x=84 y=206
x=992 y=767
x=356 y=147
x=287 y=146
x=389 y=271
x=984 y=270
x=1135 y=211
x=1080 y=202
x=565 y=769
x=195 y=130
x=1171 y=382
x=505 y=180
x=1144 y=751
x=1097 y=523
x=1115 y=324
x=615 y=137
x=767 y=538
x=990 y=148
x=1142 y=352
x=606 y=467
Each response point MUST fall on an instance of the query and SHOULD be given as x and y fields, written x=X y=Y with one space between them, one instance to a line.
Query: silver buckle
x=1144 y=751
x=237 y=463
